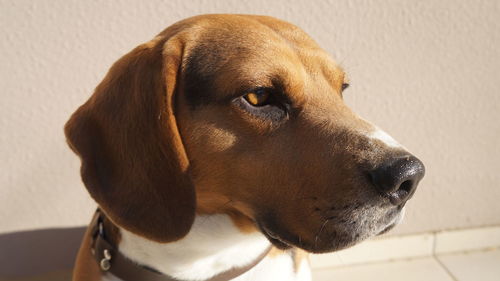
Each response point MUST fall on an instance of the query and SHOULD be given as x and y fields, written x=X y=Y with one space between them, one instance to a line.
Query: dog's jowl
x=222 y=150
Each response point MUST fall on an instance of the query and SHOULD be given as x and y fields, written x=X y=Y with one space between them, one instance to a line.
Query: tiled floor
x=472 y=266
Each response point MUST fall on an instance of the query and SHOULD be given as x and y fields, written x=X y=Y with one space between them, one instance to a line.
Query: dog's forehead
x=249 y=26
x=234 y=53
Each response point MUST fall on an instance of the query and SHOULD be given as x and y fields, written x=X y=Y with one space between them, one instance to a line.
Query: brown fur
x=297 y=255
x=127 y=138
x=164 y=137
x=86 y=267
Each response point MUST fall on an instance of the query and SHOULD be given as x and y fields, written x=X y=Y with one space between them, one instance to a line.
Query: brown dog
x=221 y=136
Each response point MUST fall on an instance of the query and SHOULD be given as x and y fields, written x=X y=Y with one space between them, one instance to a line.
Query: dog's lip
x=387 y=228
x=396 y=220
x=274 y=238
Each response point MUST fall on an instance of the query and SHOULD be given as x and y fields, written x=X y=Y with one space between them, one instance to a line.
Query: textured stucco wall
x=425 y=71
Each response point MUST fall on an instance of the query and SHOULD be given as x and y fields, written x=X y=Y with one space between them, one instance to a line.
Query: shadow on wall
x=29 y=253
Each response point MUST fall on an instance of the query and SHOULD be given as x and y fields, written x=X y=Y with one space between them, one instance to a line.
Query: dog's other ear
x=133 y=161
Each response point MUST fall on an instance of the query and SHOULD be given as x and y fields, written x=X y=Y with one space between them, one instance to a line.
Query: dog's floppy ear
x=133 y=161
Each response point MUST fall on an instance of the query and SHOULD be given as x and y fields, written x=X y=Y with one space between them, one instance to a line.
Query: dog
x=222 y=150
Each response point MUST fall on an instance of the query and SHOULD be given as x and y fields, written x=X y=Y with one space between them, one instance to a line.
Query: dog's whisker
x=319 y=232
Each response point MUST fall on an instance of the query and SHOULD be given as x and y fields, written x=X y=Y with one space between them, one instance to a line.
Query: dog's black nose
x=398 y=178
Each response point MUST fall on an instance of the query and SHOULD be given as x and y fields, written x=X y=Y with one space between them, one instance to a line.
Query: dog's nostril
x=397 y=178
x=406 y=186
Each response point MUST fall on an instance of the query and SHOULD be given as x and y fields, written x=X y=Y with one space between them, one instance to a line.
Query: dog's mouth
x=274 y=238
x=387 y=229
x=282 y=239
x=397 y=220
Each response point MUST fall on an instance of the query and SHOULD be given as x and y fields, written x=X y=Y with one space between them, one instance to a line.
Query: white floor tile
x=467 y=239
x=476 y=266
x=424 y=269
x=378 y=250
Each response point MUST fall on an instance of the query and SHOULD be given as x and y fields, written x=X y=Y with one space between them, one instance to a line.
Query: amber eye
x=258 y=97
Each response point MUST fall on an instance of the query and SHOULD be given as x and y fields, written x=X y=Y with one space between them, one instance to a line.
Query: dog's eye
x=264 y=103
x=345 y=86
x=258 y=97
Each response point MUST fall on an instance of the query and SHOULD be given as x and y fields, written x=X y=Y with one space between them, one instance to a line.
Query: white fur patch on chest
x=212 y=246
x=277 y=268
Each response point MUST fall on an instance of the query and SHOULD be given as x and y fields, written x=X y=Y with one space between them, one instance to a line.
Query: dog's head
x=240 y=115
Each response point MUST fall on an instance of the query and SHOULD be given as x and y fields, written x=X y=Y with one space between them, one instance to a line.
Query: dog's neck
x=213 y=245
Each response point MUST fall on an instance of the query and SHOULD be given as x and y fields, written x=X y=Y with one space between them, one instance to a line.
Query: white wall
x=426 y=71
